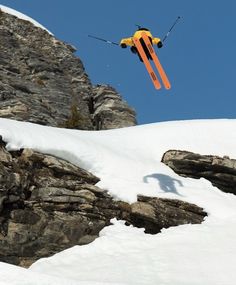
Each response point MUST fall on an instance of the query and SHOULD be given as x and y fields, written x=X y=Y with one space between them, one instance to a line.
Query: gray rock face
x=42 y=81
x=110 y=110
x=221 y=172
x=48 y=204
x=154 y=214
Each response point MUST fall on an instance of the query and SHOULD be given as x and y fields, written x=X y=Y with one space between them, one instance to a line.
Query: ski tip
x=159 y=87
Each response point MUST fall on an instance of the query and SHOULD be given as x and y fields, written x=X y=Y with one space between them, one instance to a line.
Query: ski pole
x=106 y=41
x=165 y=37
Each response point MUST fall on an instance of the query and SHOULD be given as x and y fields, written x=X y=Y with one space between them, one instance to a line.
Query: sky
x=198 y=56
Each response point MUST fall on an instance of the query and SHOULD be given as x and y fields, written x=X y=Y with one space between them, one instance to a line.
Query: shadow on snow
x=166 y=182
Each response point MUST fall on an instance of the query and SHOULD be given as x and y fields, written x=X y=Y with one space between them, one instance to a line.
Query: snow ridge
x=23 y=17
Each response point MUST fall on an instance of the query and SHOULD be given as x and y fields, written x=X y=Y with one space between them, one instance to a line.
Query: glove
x=160 y=44
x=123 y=45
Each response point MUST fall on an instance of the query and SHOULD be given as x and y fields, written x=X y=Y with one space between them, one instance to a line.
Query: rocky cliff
x=42 y=81
x=48 y=204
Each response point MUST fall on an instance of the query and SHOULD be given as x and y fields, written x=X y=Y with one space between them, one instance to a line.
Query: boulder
x=220 y=171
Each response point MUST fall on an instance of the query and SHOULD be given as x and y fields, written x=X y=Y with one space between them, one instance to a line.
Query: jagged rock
x=42 y=81
x=221 y=172
x=153 y=214
x=48 y=204
x=110 y=111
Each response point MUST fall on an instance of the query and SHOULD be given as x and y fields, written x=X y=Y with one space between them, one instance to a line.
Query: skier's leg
x=140 y=58
x=145 y=49
x=135 y=51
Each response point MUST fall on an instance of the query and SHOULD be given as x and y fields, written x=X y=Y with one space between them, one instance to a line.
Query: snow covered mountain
x=122 y=158
x=128 y=162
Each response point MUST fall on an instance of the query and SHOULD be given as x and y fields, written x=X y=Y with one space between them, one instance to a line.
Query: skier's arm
x=126 y=42
x=158 y=42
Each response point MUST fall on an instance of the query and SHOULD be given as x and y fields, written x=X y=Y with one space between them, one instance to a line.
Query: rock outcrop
x=48 y=204
x=42 y=81
x=220 y=171
x=110 y=110
x=154 y=214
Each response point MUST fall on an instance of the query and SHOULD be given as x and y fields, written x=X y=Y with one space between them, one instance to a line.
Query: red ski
x=147 y=63
x=157 y=63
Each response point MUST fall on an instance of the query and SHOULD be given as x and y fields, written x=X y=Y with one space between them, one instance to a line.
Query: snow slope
x=22 y=16
x=128 y=163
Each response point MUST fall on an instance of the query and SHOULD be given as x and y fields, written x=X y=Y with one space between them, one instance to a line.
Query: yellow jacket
x=138 y=34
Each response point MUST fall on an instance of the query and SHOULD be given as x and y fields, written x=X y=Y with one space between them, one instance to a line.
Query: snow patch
x=23 y=17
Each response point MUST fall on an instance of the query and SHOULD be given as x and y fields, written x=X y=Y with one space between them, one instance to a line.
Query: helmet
x=143 y=29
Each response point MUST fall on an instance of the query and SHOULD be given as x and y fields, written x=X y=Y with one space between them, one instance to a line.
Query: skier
x=141 y=43
x=138 y=34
